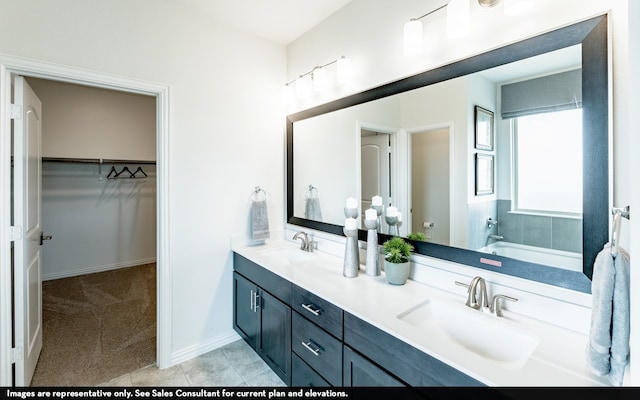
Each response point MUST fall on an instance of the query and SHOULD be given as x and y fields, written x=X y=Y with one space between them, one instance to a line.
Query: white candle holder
x=372 y=265
x=351 y=258
x=393 y=225
x=378 y=209
x=351 y=212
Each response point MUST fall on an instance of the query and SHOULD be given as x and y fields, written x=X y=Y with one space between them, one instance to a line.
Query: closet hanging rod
x=96 y=160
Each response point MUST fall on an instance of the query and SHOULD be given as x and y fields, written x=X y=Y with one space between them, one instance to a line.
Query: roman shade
x=549 y=93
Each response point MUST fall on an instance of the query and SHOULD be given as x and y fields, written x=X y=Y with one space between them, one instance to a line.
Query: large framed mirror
x=429 y=147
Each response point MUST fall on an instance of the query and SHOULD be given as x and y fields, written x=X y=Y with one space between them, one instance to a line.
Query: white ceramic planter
x=397 y=274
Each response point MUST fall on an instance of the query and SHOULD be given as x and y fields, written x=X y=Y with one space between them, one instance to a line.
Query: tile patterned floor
x=235 y=364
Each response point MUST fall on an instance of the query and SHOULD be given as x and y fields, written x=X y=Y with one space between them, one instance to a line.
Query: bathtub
x=538 y=255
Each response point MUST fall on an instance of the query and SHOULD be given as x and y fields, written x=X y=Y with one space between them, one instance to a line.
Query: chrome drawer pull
x=252 y=299
x=312 y=309
x=308 y=345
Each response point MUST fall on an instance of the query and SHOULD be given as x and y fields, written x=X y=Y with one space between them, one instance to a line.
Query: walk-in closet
x=99 y=233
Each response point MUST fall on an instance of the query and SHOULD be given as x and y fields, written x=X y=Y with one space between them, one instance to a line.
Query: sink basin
x=285 y=255
x=483 y=334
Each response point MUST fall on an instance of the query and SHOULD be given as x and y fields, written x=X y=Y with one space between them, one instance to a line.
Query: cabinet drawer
x=303 y=375
x=318 y=310
x=317 y=348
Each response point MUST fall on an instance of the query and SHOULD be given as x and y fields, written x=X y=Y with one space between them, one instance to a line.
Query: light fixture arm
x=430 y=12
x=312 y=69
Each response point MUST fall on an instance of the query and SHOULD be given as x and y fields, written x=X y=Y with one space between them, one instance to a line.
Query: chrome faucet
x=494 y=237
x=482 y=303
x=479 y=301
x=306 y=244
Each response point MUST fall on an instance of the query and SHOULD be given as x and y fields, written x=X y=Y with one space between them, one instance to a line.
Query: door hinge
x=15 y=111
x=15 y=233
x=16 y=354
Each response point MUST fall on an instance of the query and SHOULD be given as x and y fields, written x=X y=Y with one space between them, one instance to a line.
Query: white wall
x=376 y=53
x=89 y=122
x=226 y=130
x=96 y=224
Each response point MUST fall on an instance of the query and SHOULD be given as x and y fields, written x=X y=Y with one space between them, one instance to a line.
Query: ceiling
x=281 y=21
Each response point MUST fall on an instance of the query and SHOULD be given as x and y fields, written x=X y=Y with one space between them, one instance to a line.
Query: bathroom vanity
x=314 y=327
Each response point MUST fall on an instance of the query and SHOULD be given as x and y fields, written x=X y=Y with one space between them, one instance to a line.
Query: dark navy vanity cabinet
x=262 y=315
x=309 y=341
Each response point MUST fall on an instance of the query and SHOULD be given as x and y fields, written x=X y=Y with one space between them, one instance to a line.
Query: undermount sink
x=285 y=255
x=483 y=334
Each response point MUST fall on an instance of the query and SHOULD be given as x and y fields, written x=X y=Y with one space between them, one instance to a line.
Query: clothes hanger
x=134 y=175
x=123 y=170
x=112 y=172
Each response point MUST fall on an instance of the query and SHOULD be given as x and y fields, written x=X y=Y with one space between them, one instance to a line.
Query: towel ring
x=618 y=213
x=310 y=192
x=256 y=193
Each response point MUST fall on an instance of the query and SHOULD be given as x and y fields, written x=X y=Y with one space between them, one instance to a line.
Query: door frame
x=10 y=66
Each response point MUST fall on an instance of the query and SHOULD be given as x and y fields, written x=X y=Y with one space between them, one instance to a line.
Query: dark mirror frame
x=592 y=35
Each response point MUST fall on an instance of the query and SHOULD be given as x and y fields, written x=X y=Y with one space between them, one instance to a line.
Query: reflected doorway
x=430 y=184
x=375 y=170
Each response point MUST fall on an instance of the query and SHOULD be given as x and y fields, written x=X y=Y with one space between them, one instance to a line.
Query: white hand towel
x=259 y=220
x=608 y=348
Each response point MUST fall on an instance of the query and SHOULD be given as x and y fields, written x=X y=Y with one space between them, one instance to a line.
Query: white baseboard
x=97 y=268
x=203 y=347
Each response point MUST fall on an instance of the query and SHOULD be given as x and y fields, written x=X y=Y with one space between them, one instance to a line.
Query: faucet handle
x=462 y=284
x=495 y=303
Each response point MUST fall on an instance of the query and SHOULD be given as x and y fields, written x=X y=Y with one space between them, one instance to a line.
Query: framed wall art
x=484 y=174
x=484 y=129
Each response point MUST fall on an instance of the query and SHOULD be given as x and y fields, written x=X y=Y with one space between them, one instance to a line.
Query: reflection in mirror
x=417 y=149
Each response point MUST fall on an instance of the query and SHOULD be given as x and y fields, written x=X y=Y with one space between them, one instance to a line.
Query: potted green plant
x=418 y=236
x=396 y=260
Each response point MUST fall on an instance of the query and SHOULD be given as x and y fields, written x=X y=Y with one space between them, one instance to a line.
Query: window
x=547 y=162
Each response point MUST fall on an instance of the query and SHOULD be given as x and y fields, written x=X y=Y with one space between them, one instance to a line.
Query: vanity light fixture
x=319 y=76
x=303 y=86
x=413 y=34
x=458 y=20
x=344 y=71
x=318 y=80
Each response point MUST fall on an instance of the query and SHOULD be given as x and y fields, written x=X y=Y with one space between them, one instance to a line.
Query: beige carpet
x=97 y=327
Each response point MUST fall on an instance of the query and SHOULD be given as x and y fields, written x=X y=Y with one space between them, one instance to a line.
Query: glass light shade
x=287 y=94
x=516 y=7
x=303 y=87
x=319 y=79
x=413 y=34
x=344 y=70
x=458 y=18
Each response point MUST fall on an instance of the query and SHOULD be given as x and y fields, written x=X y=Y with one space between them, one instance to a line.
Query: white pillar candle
x=376 y=201
x=399 y=215
x=371 y=214
x=392 y=211
x=350 y=223
x=352 y=202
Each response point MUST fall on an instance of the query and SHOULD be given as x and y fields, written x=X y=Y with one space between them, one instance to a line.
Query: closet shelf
x=96 y=160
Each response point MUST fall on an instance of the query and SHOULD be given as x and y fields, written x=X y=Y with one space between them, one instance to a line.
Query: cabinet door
x=274 y=341
x=245 y=314
x=358 y=371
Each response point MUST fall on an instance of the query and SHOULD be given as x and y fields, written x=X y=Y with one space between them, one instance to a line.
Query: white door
x=375 y=170
x=27 y=209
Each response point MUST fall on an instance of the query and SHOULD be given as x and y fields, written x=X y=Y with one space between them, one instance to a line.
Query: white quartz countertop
x=557 y=360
